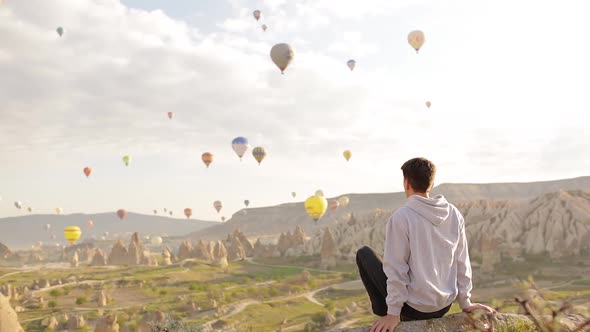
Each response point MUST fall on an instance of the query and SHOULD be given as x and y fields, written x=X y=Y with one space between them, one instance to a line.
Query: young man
x=426 y=262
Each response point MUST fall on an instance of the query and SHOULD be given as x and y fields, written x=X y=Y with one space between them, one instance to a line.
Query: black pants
x=371 y=270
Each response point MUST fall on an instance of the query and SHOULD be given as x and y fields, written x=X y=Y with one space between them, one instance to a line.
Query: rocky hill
x=555 y=224
x=24 y=231
x=8 y=318
x=271 y=221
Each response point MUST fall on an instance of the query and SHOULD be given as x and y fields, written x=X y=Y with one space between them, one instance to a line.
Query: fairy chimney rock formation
x=220 y=255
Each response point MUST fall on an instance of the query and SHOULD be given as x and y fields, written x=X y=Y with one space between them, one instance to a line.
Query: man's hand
x=385 y=323
x=478 y=306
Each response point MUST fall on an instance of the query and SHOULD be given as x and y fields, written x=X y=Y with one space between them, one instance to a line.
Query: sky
x=508 y=82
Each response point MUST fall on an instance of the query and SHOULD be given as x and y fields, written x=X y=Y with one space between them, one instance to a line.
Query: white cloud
x=103 y=90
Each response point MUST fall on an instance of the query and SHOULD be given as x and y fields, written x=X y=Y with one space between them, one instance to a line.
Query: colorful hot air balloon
x=259 y=153
x=87 y=171
x=256 y=14
x=18 y=205
x=351 y=64
x=428 y=104
x=188 y=213
x=217 y=205
x=170 y=115
x=240 y=145
x=347 y=154
x=90 y=223
x=207 y=158
x=334 y=204
x=246 y=202
x=72 y=234
x=121 y=214
x=60 y=31
x=126 y=160
x=58 y=210
x=156 y=240
x=319 y=193
x=416 y=39
x=316 y=206
x=282 y=55
x=264 y=27
x=344 y=201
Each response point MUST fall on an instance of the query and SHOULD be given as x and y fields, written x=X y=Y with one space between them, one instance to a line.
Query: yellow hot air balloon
x=72 y=234
x=282 y=55
x=316 y=206
x=126 y=160
x=416 y=39
x=344 y=201
x=259 y=153
x=347 y=154
x=58 y=210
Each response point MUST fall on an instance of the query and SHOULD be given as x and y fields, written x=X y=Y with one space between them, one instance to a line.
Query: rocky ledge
x=472 y=323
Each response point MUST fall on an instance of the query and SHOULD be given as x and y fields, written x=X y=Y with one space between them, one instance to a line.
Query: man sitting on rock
x=426 y=263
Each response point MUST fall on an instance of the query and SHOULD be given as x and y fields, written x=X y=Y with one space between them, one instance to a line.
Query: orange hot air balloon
x=90 y=223
x=87 y=171
x=170 y=115
x=334 y=205
x=121 y=214
x=188 y=213
x=207 y=158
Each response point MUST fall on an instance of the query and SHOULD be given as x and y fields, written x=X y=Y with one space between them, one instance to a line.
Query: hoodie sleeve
x=464 y=283
x=395 y=262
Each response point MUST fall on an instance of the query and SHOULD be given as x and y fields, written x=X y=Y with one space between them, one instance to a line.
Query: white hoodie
x=426 y=259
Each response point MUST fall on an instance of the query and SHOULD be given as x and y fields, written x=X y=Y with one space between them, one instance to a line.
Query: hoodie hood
x=434 y=209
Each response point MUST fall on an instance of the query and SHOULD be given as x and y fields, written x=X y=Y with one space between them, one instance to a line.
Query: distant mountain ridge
x=271 y=221
x=23 y=231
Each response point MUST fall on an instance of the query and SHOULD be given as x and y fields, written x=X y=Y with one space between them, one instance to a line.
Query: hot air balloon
x=347 y=154
x=18 y=205
x=126 y=160
x=294 y=194
x=246 y=202
x=90 y=223
x=72 y=234
x=53 y=237
x=334 y=204
x=222 y=218
x=58 y=210
x=256 y=14
x=240 y=146
x=188 y=213
x=121 y=214
x=282 y=55
x=170 y=115
x=217 y=205
x=30 y=209
x=207 y=158
x=351 y=64
x=416 y=39
x=264 y=27
x=156 y=240
x=319 y=193
x=344 y=201
x=170 y=212
x=428 y=104
x=87 y=171
x=259 y=153
x=155 y=211
x=316 y=206
x=60 y=31
x=165 y=210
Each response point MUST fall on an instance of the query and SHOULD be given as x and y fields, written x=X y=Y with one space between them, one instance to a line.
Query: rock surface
x=463 y=323
x=8 y=318
x=107 y=324
x=99 y=258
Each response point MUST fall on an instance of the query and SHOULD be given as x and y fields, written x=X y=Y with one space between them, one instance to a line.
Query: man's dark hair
x=420 y=174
